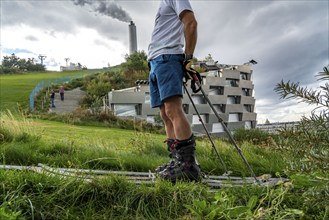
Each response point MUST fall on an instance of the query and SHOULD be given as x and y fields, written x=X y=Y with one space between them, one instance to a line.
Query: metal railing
x=43 y=84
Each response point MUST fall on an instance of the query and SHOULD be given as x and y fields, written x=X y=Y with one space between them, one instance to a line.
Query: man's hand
x=192 y=74
x=187 y=66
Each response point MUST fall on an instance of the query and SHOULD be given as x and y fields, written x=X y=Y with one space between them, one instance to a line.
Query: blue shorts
x=166 y=78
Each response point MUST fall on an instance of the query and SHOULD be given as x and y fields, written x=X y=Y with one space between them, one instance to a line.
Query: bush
x=98 y=88
x=254 y=136
x=309 y=142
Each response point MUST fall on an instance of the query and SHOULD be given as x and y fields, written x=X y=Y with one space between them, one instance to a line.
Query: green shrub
x=254 y=136
x=98 y=88
x=309 y=141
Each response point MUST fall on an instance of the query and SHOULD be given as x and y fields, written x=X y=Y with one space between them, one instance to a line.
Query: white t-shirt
x=168 y=33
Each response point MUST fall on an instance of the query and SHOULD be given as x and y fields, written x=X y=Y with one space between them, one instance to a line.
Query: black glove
x=192 y=74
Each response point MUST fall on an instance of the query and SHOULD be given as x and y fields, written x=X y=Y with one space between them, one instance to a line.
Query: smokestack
x=132 y=38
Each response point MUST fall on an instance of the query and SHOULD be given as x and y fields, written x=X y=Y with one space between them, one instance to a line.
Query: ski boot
x=172 y=152
x=185 y=166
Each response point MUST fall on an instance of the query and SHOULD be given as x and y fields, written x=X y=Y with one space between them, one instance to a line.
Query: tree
x=14 y=64
x=136 y=62
x=136 y=66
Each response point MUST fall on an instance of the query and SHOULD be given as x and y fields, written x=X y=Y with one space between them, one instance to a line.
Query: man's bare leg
x=169 y=128
x=174 y=111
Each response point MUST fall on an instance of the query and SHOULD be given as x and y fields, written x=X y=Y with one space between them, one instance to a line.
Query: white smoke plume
x=106 y=8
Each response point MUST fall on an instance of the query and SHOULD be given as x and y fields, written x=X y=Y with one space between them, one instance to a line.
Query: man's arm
x=190 y=30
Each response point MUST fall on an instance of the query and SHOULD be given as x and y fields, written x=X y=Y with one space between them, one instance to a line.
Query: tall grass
x=40 y=196
x=16 y=124
x=109 y=198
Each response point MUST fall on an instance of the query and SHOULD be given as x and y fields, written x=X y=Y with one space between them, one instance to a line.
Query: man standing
x=175 y=27
x=52 y=98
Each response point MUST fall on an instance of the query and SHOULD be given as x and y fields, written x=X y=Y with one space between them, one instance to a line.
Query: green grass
x=50 y=197
x=15 y=89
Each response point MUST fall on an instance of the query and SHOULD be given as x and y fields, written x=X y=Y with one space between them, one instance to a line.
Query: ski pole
x=204 y=126
x=195 y=78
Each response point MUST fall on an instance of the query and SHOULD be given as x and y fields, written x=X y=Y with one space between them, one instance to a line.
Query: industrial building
x=229 y=88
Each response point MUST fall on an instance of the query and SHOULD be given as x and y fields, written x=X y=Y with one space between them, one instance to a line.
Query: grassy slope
x=15 y=89
x=85 y=135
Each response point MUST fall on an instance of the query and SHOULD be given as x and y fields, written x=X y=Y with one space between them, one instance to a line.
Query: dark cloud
x=59 y=16
x=46 y=15
x=106 y=8
x=289 y=39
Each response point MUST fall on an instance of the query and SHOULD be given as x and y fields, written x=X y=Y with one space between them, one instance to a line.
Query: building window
x=138 y=109
x=216 y=90
x=232 y=82
x=248 y=125
x=246 y=92
x=233 y=99
x=196 y=120
x=247 y=108
x=147 y=98
x=220 y=108
x=244 y=76
x=214 y=73
x=125 y=109
x=217 y=128
x=234 y=117
x=198 y=99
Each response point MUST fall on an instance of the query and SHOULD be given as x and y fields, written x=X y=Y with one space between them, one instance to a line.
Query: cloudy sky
x=288 y=39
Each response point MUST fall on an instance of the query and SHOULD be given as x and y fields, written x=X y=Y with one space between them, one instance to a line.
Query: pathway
x=70 y=103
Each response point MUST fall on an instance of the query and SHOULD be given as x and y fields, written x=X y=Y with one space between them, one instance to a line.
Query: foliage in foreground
x=311 y=146
x=41 y=196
